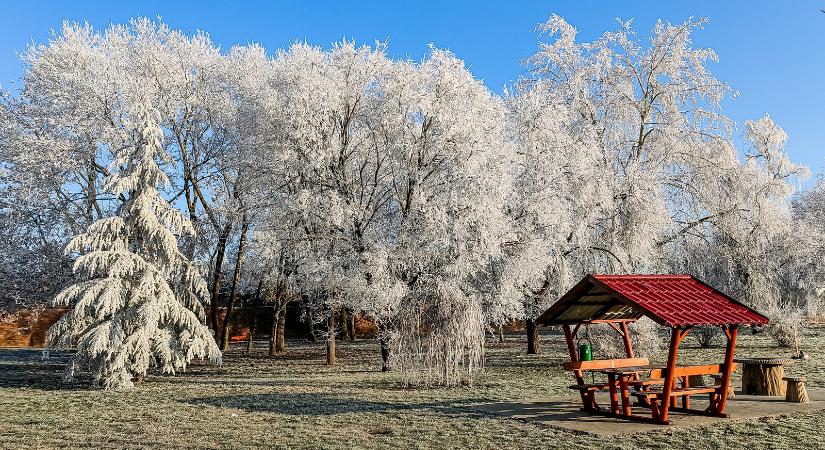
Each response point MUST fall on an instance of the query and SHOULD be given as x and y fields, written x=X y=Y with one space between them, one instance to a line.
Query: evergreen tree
x=138 y=302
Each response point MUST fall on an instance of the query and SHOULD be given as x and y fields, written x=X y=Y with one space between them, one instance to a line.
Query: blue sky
x=773 y=53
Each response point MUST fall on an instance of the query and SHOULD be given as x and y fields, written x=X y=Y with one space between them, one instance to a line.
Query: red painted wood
x=676 y=336
x=731 y=333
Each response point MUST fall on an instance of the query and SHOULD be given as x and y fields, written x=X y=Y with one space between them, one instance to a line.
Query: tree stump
x=696 y=380
x=763 y=379
x=795 y=392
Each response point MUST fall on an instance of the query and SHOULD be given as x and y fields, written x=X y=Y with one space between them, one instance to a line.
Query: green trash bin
x=585 y=350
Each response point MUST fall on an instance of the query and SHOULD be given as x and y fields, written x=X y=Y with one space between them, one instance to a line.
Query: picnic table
x=763 y=376
x=646 y=383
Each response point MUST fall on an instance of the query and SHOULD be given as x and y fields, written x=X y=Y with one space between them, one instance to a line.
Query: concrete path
x=565 y=412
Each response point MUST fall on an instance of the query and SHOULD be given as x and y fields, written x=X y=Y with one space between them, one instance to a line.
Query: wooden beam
x=588 y=398
x=676 y=336
x=615 y=327
x=628 y=347
x=730 y=331
x=617 y=320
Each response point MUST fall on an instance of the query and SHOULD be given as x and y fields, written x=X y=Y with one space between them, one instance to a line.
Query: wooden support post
x=676 y=336
x=730 y=332
x=628 y=347
x=588 y=398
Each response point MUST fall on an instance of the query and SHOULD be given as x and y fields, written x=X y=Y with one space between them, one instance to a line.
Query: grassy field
x=294 y=401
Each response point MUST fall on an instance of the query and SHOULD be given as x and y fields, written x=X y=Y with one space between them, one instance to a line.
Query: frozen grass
x=294 y=401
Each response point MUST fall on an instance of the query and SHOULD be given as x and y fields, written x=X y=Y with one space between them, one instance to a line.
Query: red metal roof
x=672 y=300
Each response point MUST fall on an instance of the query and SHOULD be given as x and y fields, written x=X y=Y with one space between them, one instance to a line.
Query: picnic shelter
x=678 y=302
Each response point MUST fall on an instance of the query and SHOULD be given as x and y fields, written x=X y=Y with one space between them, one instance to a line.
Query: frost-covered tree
x=138 y=301
x=644 y=175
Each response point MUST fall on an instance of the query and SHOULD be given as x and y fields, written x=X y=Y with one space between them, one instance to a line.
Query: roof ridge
x=644 y=275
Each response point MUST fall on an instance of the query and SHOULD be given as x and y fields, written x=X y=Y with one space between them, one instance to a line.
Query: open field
x=294 y=401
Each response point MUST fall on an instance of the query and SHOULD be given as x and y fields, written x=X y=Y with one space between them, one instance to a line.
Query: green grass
x=295 y=401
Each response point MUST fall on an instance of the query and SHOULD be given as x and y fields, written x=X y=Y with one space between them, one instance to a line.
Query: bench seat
x=645 y=382
x=677 y=392
x=588 y=387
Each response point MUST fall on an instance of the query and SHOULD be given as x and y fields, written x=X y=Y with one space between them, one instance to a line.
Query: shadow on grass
x=316 y=404
x=26 y=368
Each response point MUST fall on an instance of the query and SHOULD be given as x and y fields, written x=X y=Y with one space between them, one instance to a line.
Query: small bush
x=706 y=336
x=785 y=326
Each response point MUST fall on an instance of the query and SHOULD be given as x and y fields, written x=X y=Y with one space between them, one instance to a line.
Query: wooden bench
x=677 y=392
x=588 y=387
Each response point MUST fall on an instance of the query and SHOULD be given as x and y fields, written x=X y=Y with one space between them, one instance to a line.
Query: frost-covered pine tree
x=138 y=300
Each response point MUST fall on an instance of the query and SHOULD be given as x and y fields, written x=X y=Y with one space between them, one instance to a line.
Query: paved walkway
x=565 y=412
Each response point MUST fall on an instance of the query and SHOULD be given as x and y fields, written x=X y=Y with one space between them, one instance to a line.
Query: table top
x=770 y=361
x=629 y=370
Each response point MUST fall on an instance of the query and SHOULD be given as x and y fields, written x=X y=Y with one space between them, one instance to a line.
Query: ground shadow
x=26 y=368
x=318 y=404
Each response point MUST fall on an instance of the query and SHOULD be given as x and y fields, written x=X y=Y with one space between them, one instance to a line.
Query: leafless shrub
x=706 y=336
x=439 y=339
x=785 y=326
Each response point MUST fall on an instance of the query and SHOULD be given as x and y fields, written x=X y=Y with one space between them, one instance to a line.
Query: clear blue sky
x=772 y=52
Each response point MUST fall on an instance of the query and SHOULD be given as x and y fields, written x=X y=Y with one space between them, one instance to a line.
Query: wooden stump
x=763 y=379
x=796 y=392
x=696 y=380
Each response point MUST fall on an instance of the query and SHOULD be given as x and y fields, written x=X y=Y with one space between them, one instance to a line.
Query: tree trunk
x=313 y=336
x=91 y=202
x=352 y=327
x=234 y=290
x=385 y=354
x=332 y=357
x=345 y=322
x=216 y=280
x=280 y=342
x=254 y=316
x=273 y=333
x=533 y=339
x=501 y=333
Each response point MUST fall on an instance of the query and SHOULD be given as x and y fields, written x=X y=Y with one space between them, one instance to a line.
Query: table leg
x=625 y=395
x=614 y=398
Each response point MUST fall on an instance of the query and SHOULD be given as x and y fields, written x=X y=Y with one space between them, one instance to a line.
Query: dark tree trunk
x=216 y=280
x=332 y=357
x=254 y=317
x=533 y=339
x=351 y=325
x=273 y=333
x=385 y=354
x=345 y=314
x=313 y=335
x=280 y=342
x=234 y=290
x=91 y=202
